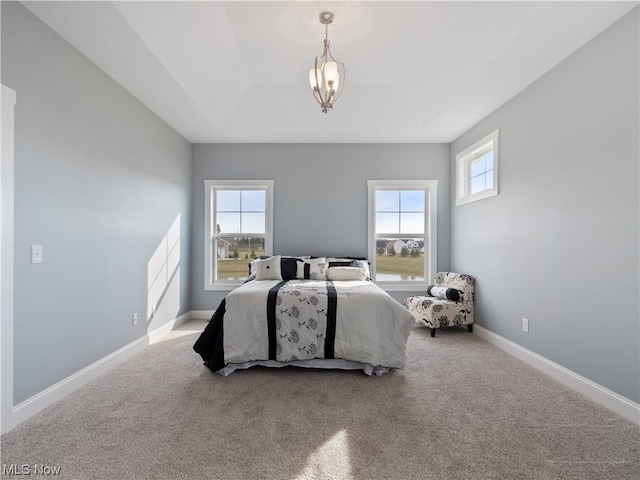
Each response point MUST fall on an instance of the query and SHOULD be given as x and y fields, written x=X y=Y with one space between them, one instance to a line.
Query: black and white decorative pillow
x=360 y=262
x=364 y=265
x=338 y=262
x=289 y=267
x=268 y=269
x=444 y=293
x=313 y=269
x=252 y=264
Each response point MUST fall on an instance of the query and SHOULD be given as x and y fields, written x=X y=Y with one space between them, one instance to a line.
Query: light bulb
x=331 y=71
x=336 y=82
x=312 y=78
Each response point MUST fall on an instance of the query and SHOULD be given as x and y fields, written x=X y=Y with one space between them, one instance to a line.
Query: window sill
x=386 y=286
x=222 y=287
x=403 y=287
x=492 y=192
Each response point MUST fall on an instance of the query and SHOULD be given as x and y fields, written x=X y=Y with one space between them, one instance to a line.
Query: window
x=477 y=170
x=402 y=232
x=238 y=228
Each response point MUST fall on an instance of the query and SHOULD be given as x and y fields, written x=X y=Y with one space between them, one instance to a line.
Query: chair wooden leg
x=470 y=327
x=433 y=332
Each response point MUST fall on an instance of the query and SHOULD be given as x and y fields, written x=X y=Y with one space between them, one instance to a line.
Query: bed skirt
x=334 y=363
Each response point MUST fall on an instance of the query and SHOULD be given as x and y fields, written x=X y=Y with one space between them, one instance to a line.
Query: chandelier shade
x=327 y=75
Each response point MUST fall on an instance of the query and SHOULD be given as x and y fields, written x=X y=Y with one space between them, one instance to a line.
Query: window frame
x=210 y=260
x=465 y=158
x=430 y=230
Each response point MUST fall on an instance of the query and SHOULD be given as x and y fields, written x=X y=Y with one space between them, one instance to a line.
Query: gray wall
x=99 y=180
x=559 y=244
x=320 y=194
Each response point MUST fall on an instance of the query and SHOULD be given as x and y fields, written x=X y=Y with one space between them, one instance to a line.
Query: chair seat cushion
x=438 y=313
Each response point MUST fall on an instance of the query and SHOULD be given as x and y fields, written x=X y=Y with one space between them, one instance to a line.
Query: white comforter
x=371 y=327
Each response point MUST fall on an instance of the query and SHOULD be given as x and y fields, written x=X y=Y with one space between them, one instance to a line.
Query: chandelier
x=327 y=75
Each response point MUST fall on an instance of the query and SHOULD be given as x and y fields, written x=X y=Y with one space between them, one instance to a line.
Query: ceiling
x=237 y=71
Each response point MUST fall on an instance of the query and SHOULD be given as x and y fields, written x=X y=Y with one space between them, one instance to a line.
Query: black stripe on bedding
x=332 y=309
x=271 y=319
x=307 y=271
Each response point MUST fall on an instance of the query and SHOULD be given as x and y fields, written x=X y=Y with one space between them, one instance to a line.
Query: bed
x=307 y=312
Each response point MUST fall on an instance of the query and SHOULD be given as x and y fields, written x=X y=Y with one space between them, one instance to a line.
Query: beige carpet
x=462 y=409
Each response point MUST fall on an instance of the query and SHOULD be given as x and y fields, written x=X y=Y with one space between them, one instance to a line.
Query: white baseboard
x=42 y=400
x=202 y=314
x=619 y=404
x=161 y=331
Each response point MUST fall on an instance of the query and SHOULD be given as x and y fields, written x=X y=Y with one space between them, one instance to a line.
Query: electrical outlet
x=525 y=325
x=134 y=319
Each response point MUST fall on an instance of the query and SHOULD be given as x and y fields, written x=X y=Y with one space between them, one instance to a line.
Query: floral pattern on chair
x=435 y=312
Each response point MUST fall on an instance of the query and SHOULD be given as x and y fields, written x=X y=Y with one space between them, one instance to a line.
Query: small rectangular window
x=477 y=170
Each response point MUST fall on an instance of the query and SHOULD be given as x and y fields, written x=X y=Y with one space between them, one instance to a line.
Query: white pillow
x=316 y=269
x=346 y=273
x=268 y=269
x=364 y=265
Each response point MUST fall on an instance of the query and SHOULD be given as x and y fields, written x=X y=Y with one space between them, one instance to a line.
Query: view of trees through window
x=240 y=228
x=400 y=259
x=244 y=212
x=399 y=230
x=234 y=254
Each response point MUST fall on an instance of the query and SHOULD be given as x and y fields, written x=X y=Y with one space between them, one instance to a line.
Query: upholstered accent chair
x=450 y=302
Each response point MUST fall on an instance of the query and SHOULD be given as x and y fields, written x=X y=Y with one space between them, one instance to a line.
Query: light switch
x=36 y=253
